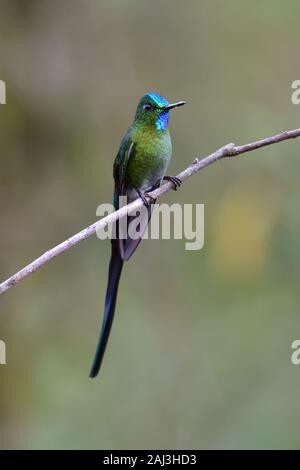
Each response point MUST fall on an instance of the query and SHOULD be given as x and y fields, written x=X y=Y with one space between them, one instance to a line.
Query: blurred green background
x=199 y=355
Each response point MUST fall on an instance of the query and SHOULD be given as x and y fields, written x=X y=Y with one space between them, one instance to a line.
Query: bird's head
x=153 y=110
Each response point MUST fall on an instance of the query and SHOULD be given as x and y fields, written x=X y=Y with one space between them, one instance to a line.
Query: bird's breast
x=148 y=165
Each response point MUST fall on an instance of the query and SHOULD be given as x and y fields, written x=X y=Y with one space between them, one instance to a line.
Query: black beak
x=174 y=105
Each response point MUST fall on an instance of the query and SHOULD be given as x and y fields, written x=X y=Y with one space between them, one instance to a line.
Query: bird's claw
x=152 y=199
x=175 y=180
x=144 y=195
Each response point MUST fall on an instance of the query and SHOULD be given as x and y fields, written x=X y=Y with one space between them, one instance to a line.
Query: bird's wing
x=128 y=245
x=116 y=261
x=126 y=151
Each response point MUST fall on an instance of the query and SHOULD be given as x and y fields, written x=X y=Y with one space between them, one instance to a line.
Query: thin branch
x=230 y=150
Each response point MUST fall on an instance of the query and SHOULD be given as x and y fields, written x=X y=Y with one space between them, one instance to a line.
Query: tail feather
x=121 y=251
x=115 y=269
x=128 y=245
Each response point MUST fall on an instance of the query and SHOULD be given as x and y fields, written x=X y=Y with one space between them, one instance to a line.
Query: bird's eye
x=147 y=107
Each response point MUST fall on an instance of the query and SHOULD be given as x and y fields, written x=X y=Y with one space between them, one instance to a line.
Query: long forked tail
x=115 y=269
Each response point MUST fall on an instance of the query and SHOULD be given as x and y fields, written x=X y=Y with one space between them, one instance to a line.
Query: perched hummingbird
x=139 y=167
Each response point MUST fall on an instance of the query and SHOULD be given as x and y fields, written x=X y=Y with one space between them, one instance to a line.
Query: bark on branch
x=230 y=150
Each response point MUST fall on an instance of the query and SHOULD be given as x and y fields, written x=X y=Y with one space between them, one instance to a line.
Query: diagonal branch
x=230 y=150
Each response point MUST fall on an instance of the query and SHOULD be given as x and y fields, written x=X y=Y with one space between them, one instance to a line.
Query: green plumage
x=142 y=159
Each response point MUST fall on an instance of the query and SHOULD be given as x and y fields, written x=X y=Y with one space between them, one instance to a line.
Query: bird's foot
x=144 y=195
x=175 y=180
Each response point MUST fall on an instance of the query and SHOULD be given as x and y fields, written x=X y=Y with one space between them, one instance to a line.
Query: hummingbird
x=139 y=167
